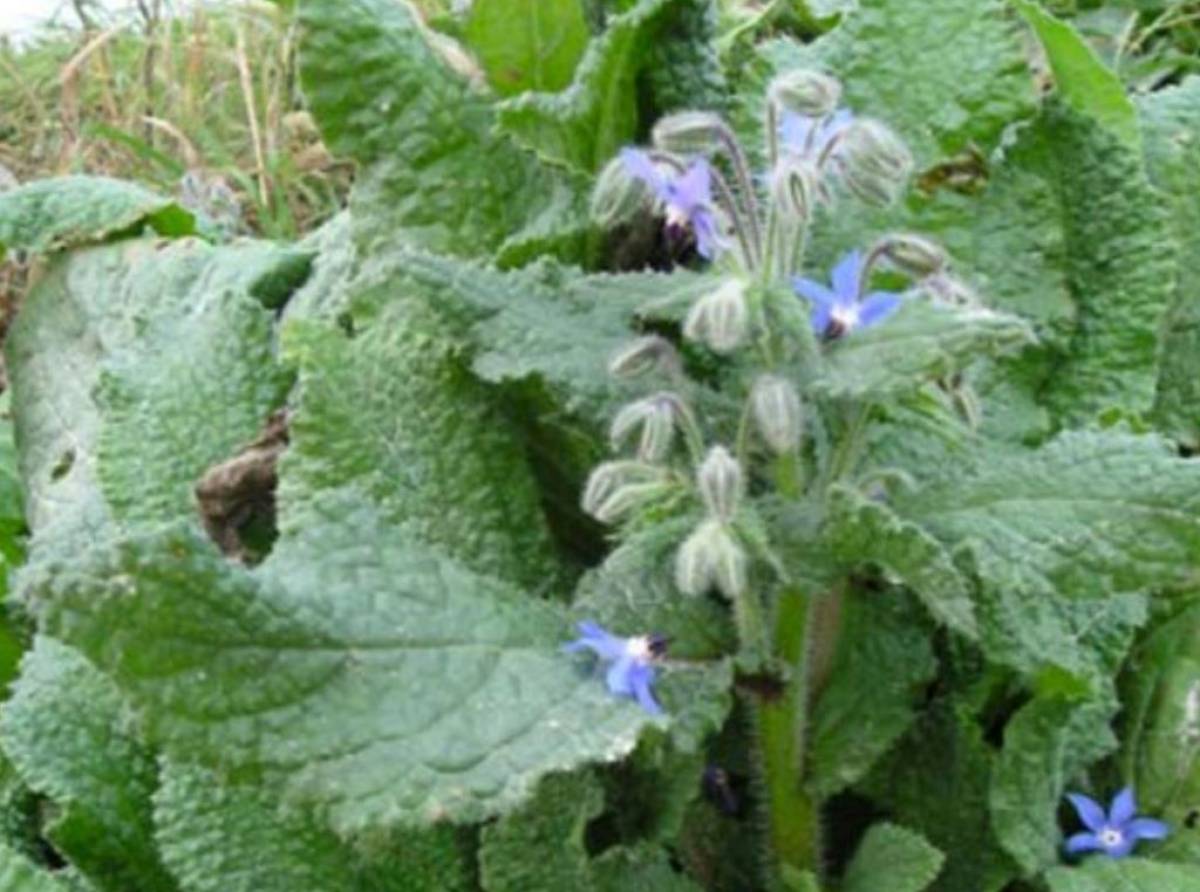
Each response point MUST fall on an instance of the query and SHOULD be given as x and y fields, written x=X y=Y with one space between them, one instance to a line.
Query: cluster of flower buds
x=711 y=556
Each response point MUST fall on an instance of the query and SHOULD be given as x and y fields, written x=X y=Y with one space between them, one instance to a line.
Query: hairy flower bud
x=616 y=488
x=777 y=413
x=719 y=318
x=710 y=556
x=875 y=163
x=806 y=92
x=646 y=354
x=655 y=417
x=911 y=254
x=720 y=481
x=949 y=290
x=618 y=195
x=688 y=132
x=795 y=189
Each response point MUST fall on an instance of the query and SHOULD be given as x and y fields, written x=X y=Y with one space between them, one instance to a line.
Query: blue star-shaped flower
x=632 y=671
x=1116 y=833
x=812 y=137
x=687 y=198
x=840 y=311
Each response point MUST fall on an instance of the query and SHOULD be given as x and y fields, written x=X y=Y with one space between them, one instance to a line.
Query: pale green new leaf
x=1125 y=875
x=1083 y=81
x=1046 y=745
x=433 y=171
x=65 y=731
x=583 y=126
x=527 y=44
x=892 y=858
x=65 y=212
x=217 y=837
x=923 y=340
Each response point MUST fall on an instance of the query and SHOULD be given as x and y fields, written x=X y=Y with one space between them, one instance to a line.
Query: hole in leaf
x=236 y=498
x=63 y=466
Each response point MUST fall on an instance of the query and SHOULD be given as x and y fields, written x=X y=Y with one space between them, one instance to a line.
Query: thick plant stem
x=793 y=815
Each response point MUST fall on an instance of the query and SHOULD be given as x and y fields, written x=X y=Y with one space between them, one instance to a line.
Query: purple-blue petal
x=693 y=188
x=814 y=292
x=1082 y=842
x=845 y=277
x=1123 y=848
x=1089 y=811
x=618 y=676
x=833 y=126
x=641 y=679
x=794 y=131
x=639 y=165
x=1123 y=808
x=595 y=638
x=876 y=307
x=1148 y=828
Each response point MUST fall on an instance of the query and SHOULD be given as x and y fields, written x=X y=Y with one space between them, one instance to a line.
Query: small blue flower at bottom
x=632 y=671
x=1114 y=834
x=839 y=311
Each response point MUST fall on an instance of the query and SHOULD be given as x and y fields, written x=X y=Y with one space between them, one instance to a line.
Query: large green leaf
x=217 y=837
x=433 y=171
x=1083 y=81
x=19 y=874
x=1127 y=875
x=527 y=44
x=1170 y=119
x=892 y=858
x=584 y=126
x=64 y=212
x=63 y=729
x=373 y=679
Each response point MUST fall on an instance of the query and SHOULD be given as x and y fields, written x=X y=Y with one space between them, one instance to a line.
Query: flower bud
x=656 y=417
x=795 y=189
x=806 y=92
x=911 y=254
x=617 y=195
x=688 y=132
x=719 y=318
x=613 y=484
x=777 y=413
x=949 y=290
x=710 y=556
x=646 y=354
x=720 y=481
x=875 y=163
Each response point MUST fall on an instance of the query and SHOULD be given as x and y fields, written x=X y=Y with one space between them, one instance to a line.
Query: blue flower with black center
x=686 y=197
x=843 y=309
x=1116 y=833
x=632 y=671
x=813 y=138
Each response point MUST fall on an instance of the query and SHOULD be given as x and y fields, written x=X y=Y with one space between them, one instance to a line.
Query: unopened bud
x=612 y=479
x=647 y=354
x=655 y=417
x=711 y=556
x=720 y=481
x=806 y=92
x=949 y=290
x=911 y=254
x=688 y=132
x=618 y=196
x=719 y=318
x=875 y=162
x=795 y=189
x=777 y=413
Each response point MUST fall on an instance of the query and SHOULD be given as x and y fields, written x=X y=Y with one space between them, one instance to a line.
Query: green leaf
x=941 y=101
x=883 y=662
x=1046 y=744
x=1126 y=875
x=1170 y=118
x=1083 y=81
x=684 y=69
x=584 y=126
x=541 y=846
x=923 y=340
x=864 y=531
x=394 y=411
x=433 y=171
x=527 y=44
x=1161 y=734
x=19 y=874
x=65 y=733
x=354 y=671
x=643 y=867
x=892 y=859
x=217 y=837
x=65 y=212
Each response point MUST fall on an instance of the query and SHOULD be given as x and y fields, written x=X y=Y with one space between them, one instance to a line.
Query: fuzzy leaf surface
x=892 y=858
x=1126 y=875
x=527 y=44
